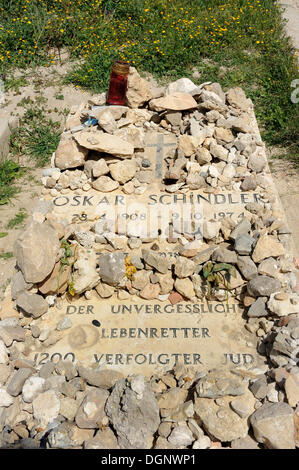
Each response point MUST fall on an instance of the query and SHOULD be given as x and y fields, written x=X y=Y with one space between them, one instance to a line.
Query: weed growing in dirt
x=36 y=136
x=9 y=173
x=18 y=219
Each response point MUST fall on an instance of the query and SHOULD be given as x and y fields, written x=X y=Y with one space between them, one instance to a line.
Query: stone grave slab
x=149 y=337
x=141 y=336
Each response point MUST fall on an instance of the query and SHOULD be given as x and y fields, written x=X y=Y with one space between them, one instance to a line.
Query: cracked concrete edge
x=7 y=124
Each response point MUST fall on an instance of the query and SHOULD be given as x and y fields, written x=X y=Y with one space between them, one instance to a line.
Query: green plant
x=6 y=255
x=18 y=219
x=69 y=252
x=9 y=172
x=36 y=136
x=217 y=275
x=3 y=234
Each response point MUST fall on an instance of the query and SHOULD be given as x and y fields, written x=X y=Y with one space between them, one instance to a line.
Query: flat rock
x=273 y=425
x=12 y=333
x=184 y=267
x=17 y=381
x=291 y=387
x=33 y=304
x=50 y=284
x=99 y=168
x=175 y=102
x=263 y=286
x=104 y=379
x=182 y=85
x=96 y=140
x=258 y=308
x=247 y=267
x=105 y=184
x=220 y=383
x=220 y=422
x=285 y=306
x=160 y=263
x=172 y=398
x=184 y=287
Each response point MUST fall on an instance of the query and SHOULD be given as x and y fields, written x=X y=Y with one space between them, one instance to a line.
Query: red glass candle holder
x=118 y=83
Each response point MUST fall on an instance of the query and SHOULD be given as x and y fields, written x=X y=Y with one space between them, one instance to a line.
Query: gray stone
x=243 y=228
x=263 y=286
x=17 y=381
x=32 y=387
x=184 y=267
x=181 y=436
x=99 y=378
x=256 y=163
x=160 y=263
x=220 y=383
x=220 y=422
x=112 y=268
x=67 y=369
x=247 y=267
x=135 y=420
x=223 y=255
x=18 y=284
x=259 y=388
x=269 y=267
x=5 y=372
x=46 y=407
x=258 y=308
x=91 y=413
x=46 y=370
x=36 y=250
x=273 y=426
x=104 y=439
x=249 y=183
x=12 y=333
x=64 y=324
x=243 y=244
x=244 y=443
x=60 y=436
x=32 y=304
x=172 y=398
x=174 y=118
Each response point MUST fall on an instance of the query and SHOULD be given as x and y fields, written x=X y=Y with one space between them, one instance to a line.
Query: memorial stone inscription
x=150 y=336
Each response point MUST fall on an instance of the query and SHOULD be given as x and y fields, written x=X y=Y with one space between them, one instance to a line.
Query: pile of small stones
x=66 y=405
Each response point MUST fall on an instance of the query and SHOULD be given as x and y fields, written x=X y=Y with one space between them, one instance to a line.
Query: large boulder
x=134 y=413
x=36 y=250
x=69 y=154
x=273 y=425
